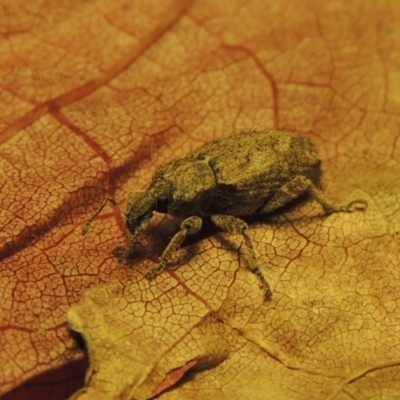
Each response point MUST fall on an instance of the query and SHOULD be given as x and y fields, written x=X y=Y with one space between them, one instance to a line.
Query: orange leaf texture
x=95 y=97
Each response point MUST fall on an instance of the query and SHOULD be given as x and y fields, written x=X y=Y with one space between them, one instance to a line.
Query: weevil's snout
x=135 y=224
x=142 y=205
x=140 y=212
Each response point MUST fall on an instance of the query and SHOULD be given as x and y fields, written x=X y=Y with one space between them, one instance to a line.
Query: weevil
x=246 y=174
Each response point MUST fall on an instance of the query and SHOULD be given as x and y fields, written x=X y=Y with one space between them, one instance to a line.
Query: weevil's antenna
x=108 y=199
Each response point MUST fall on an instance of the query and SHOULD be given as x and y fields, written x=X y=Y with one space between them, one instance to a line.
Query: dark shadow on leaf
x=58 y=384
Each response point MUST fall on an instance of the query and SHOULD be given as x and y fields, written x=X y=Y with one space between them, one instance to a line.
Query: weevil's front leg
x=232 y=224
x=189 y=226
x=300 y=185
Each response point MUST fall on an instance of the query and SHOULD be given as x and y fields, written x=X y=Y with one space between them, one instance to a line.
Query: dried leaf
x=96 y=96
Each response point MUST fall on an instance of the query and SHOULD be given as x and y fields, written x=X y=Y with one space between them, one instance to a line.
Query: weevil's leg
x=90 y=220
x=232 y=224
x=299 y=185
x=189 y=226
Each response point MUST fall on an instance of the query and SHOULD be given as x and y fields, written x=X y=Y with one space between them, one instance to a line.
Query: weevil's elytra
x=246 y=174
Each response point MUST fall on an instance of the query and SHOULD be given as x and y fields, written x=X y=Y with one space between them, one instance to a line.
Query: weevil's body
x=250 y=173
x=236 y=175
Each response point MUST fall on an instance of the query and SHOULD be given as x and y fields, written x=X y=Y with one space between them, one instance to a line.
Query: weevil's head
x=142 y=205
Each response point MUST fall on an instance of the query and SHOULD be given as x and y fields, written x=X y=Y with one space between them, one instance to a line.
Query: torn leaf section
x=206 y=345
x=144 y=338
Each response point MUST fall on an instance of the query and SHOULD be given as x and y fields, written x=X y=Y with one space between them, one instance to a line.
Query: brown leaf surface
x=95 y=96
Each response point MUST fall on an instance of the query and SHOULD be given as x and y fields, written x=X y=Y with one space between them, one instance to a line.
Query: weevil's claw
x=354 y=205
x=357 y=204
x=267 y=294
x=120 y=252
x=264 y=285
x=151 y=275
x=156 y=271
x=121 y=261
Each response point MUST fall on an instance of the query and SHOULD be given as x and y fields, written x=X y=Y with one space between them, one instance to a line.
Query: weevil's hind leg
x=189 y=226
x=300 y=185
x=232 y=224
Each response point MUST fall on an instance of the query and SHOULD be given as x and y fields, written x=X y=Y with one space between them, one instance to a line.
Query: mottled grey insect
x=246 y=174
